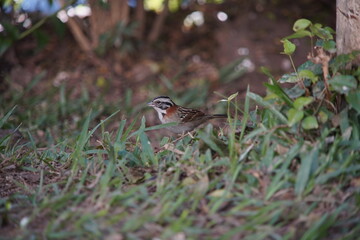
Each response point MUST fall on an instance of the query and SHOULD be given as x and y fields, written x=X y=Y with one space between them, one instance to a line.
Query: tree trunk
x=104 y=18
x=348 y=27
x=140 y=19
x=159 y=22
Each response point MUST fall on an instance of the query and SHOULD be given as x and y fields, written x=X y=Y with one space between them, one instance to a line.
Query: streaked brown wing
x=189 y=115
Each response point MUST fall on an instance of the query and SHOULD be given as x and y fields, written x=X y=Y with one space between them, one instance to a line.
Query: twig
x=322 y=58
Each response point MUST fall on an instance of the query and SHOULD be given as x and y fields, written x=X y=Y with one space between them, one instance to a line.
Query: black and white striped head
x=161 y=104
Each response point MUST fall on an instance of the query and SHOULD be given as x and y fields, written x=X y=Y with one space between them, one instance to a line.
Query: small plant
x=319 y=84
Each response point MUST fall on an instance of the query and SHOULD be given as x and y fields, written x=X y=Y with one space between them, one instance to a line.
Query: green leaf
x=343 y=83
x=323 y=117
x=328 y=45
x=323 y=33
x=267 y=105
x=301 y=102
x=299 y=34
x=289 y=78
x=310 y=122
x=303 y=175
x=289 y=47
x=232 y=96
x=309 y=75
x=342 y=60
x=295 y=92
x=147 y=149
x=294 y=116
x=308 y=65
x=301 y=24
x=276 y=89
x=353 y=98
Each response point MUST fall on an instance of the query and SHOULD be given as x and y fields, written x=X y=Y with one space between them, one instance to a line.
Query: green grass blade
x=268 y=105
x=6 y=117
x=156 y=127
x=120 y=131
x=246 y=114
x=305 y=170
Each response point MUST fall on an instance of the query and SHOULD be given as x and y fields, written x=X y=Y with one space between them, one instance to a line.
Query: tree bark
x=140 y=19
x=103 y=19
x=158 y=24
x=348 y=27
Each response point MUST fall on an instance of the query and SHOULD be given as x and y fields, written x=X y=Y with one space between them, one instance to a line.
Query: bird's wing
x=189 y=115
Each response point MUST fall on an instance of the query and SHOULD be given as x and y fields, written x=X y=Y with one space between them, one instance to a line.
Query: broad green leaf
x=289 y=78
x=342 y=60
x=303 y=175
x=309 y=75
x=343 y=83
x=295 y=92
x=308 y=65
x=310 y=122
x=323 y=117
x=353 y=98
x=301 y=102
x=289 y=47
x=294 y=116
x=328 y=45
x=323 y=33
x=330 y=30
x=299 y=34
x=301 y=24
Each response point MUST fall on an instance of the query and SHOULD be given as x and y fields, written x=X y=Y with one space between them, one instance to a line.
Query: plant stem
x=297 y=74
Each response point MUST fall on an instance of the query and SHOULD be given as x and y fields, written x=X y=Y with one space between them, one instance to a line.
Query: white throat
x=160 y=114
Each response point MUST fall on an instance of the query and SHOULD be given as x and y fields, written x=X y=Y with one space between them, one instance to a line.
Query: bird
x=187 y=119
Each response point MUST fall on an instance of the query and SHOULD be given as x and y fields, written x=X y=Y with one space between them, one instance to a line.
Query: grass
x=74 y=175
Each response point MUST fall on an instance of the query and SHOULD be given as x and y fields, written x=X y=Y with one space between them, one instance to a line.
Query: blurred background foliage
x=172 y=43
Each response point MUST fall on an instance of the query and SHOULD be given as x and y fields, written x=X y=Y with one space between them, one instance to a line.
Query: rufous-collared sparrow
x=187 y=118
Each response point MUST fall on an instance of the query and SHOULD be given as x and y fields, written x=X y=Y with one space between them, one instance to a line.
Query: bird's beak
x=150 y=104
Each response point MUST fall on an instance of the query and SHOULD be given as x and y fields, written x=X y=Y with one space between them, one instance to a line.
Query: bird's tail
x=219 y=116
